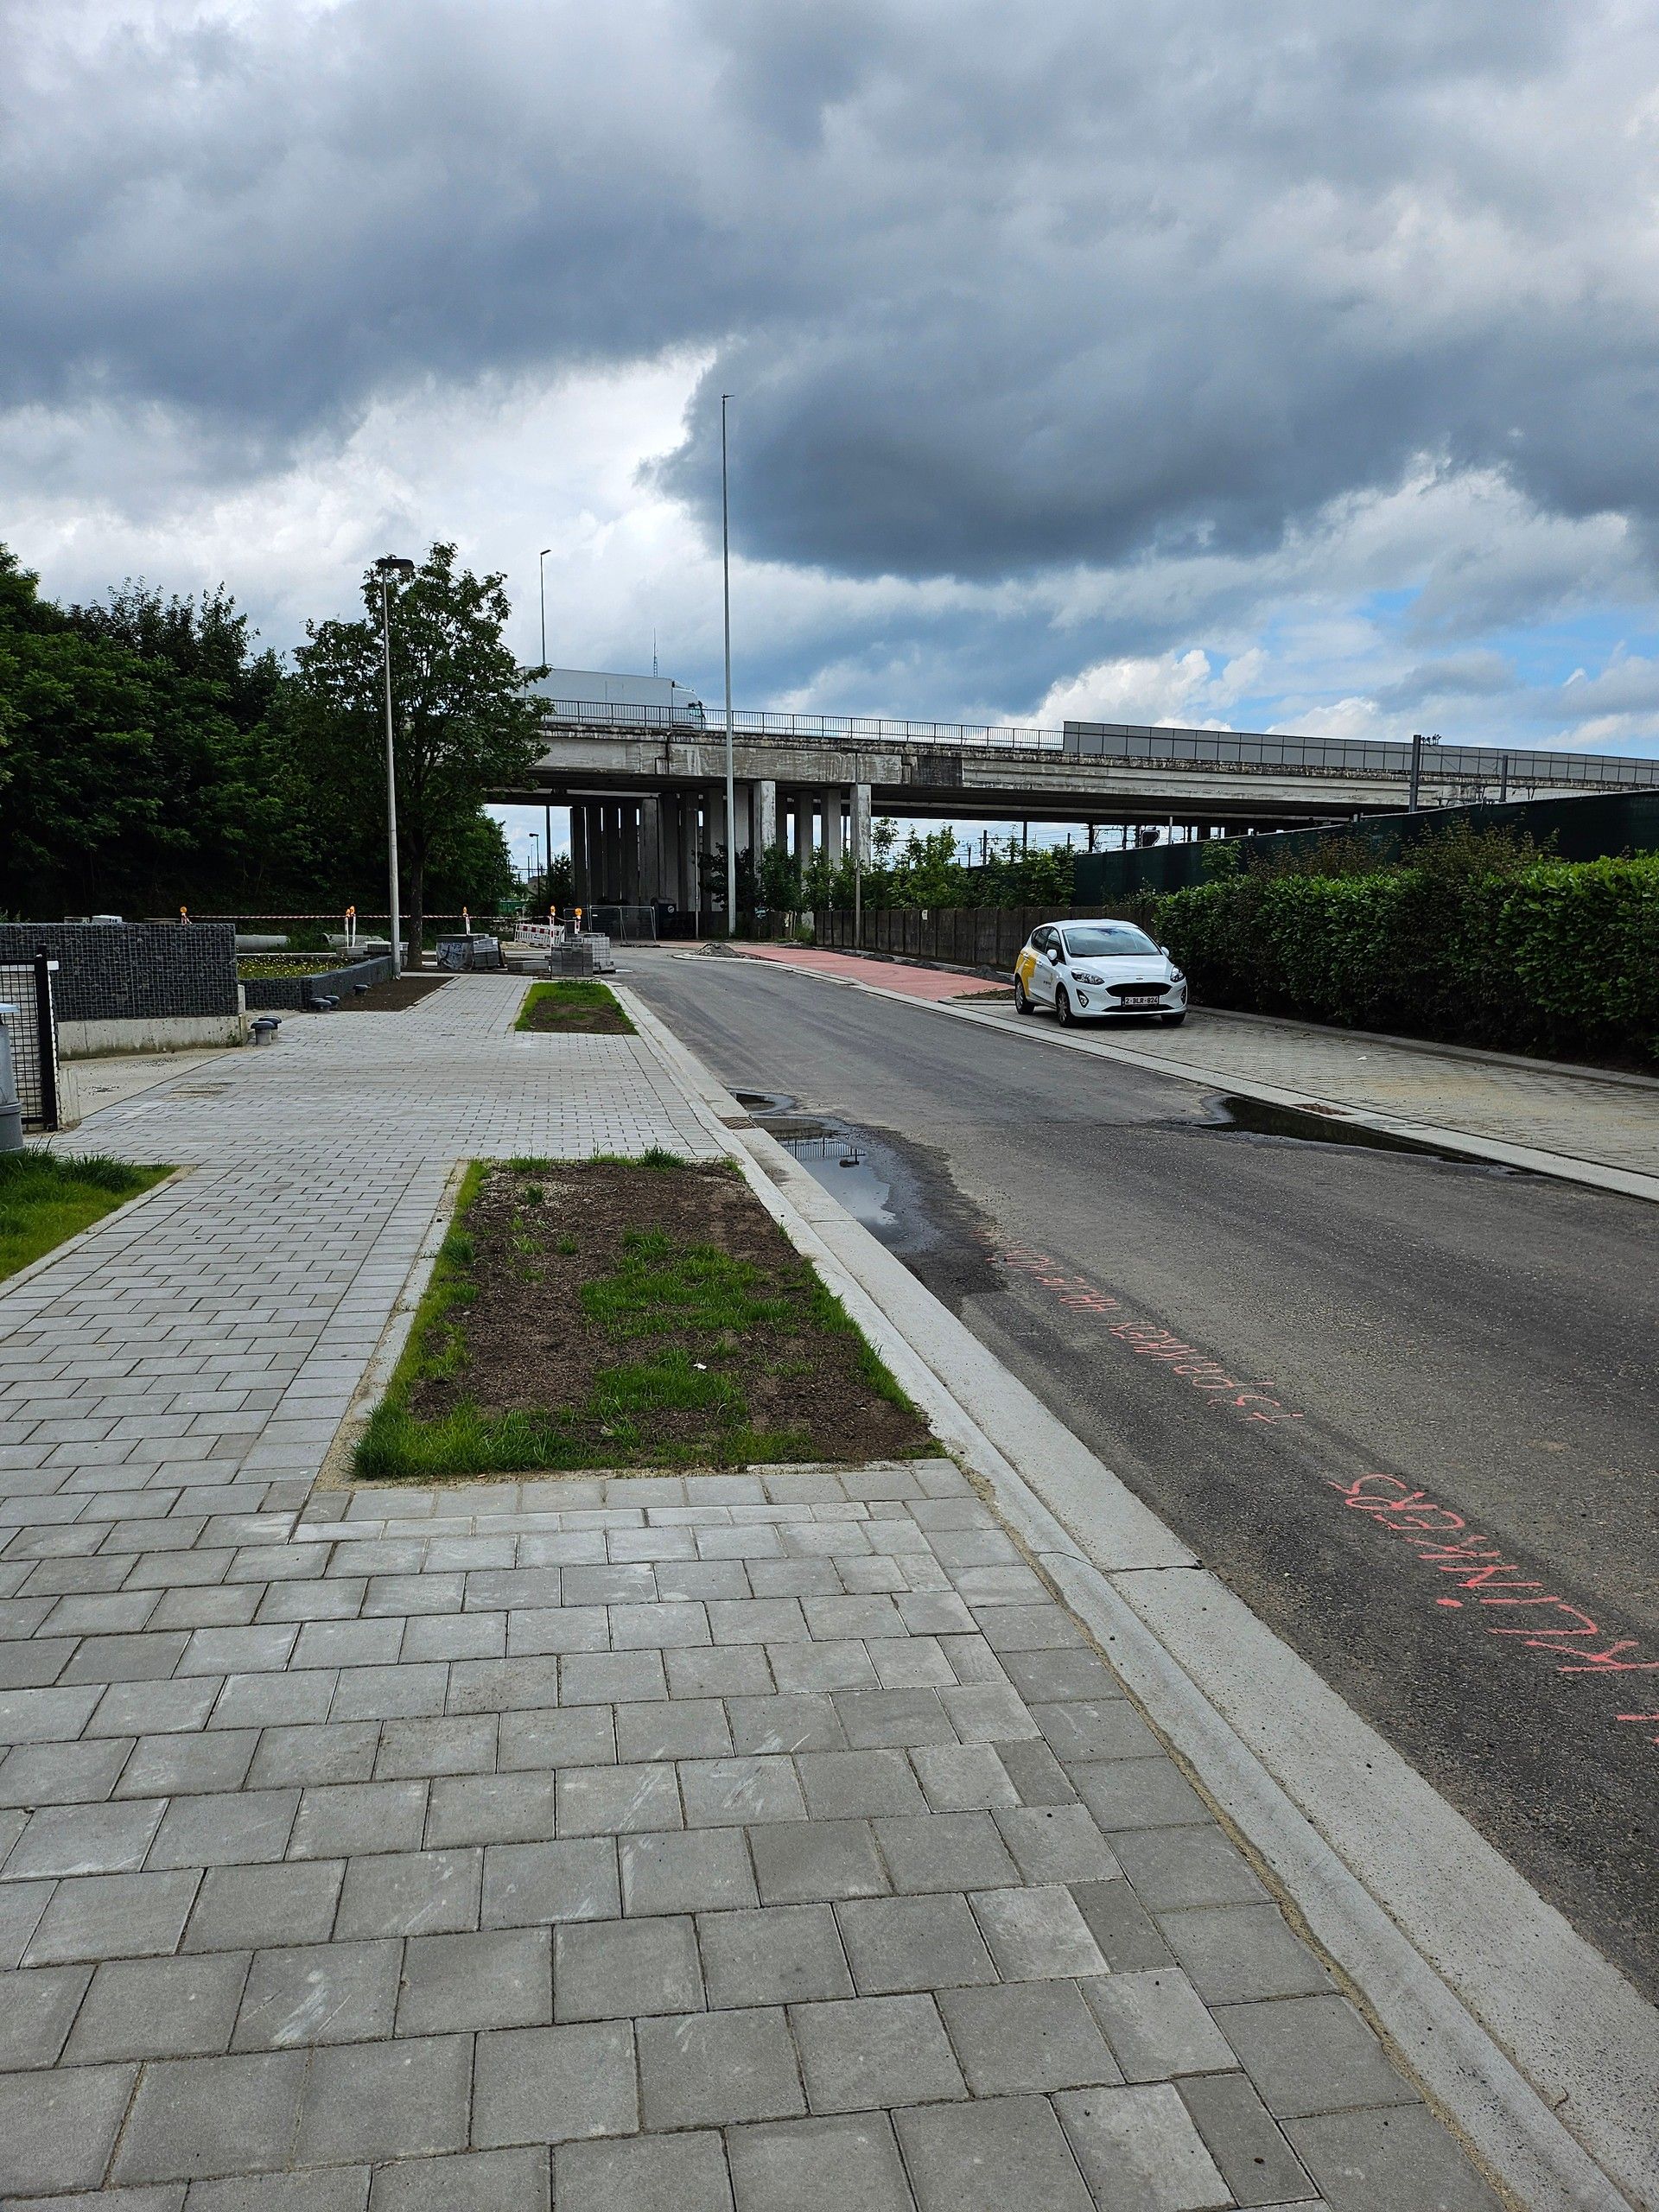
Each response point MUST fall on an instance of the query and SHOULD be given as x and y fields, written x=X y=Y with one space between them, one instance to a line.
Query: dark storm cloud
x=996 y=288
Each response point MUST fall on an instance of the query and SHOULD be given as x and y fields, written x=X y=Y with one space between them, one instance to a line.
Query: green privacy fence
x=962 y=936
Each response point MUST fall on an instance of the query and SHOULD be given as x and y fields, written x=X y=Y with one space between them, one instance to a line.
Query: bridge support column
x=578 y=855
x=629 y=823
x=832 y=824
x=610 y=884
x=859 y=823
x=765 y=806
x=690 y=889
x=651 y=850
x=804 y=826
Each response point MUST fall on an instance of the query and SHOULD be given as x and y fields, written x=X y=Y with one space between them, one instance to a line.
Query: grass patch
x=47 y=1197
x=572 y=1005
x=256 y=967
x=627 y=1312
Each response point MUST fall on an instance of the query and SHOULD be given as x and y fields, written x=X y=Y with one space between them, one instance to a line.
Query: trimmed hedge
x=1559 y=956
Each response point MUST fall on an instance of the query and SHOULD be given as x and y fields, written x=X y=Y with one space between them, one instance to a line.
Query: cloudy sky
x=1281 y=367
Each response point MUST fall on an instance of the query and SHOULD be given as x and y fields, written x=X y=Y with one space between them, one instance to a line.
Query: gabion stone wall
x=132 y=970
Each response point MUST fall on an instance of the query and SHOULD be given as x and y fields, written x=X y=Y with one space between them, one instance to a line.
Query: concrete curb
x=1626 y=1182
x=1525 y=2037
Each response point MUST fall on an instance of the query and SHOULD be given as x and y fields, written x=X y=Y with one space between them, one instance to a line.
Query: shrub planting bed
x=628 y=1313
x=47 y=1197
x=573 y=1006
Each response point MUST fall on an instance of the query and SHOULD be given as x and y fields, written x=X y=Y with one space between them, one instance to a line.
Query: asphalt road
x=1426 y=1354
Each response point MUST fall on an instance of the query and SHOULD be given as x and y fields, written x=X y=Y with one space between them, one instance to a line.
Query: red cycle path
x=912 y=982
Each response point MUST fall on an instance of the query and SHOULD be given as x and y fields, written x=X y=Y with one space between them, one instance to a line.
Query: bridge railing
x=1507 y=772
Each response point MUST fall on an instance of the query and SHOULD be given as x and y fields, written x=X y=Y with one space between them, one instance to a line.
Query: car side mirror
x=1054 y=953
x=1164 y=948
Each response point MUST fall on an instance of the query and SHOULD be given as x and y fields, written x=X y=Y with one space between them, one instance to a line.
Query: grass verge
x=626 y=1313
x=571 y=1004
x=47 y=1197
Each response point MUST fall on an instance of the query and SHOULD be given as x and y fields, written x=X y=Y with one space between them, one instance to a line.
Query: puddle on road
x=832 y=1154
x=1324 y=1125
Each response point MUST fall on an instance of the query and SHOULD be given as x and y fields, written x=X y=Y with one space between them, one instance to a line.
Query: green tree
x=466 y=727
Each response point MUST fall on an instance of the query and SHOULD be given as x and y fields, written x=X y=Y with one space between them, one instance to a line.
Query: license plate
x=1146 y=998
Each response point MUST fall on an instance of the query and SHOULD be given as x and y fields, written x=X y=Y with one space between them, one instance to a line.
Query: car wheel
x=1022 y=998
x=1063 y=1013
x=1174 y=1021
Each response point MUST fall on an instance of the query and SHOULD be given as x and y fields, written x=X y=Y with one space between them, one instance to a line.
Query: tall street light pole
x=386 y=568
x=726 y=587
x=541 y=584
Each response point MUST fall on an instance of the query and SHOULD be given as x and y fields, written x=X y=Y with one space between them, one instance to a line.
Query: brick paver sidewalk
x=762 y=1840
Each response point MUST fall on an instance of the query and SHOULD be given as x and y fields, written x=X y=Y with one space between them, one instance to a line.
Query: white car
x=1094 y=972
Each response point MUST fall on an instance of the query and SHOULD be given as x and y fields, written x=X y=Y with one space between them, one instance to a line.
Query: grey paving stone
x=1253 y=2156
x=872 y=2052
x=1096 y=1728
x=731 y=1670
x=377 y=2100
x=713 y=2069
x=168 y=2196
x=265 y=1700
x=1036 y=1773
x=780 y=1954
x=159 y=2008
x=502 y=1978
x=797 y=1862
x=611 y=1677
x=913 y=1943
x=344 y=2189
x=1149 y=1792
x=682 y=1728
x=962 y=1777
x=802 y=2165
x=454 y=1636
x=502 y=1685
x=552 y=2085
x=1311 y=2054
x=108 y=1838
x=207 y=2116
x=37 y=2010
x=986 y=2156
x=873 y=1718
x=1399 y=2161
x=644 y=2173
x=617 y=1800
x=57 y=2127
x=248 y=1907
x=335 y=1820
x=1126 y=1934
x=1157 y=2025
x=319 y=1994
x=113 y=1916
x=1027 y=2036
x=621 y=1969
x=1057 y=1843
x=701 y=1870
x=462 y=1744
x=1139 y=2148
x=1036 y=1933
x=1172 y=1867
x=389 y=1692
x=326 y=1751
x=858 y=1785
x=476 y=2181
x=64 y=1774
x=583 y=1736
x=227 y=1828
x=1236 y=1953
x=526 y=1885
x=801 y=1669
x=945 y=1851
x=176 y=1766
x=491 y=1809
x=737 y=1792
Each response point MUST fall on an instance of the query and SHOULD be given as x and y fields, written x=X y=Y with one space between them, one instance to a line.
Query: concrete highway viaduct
x=646 y=791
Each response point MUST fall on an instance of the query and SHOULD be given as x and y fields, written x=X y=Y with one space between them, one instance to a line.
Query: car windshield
x=1108 y=941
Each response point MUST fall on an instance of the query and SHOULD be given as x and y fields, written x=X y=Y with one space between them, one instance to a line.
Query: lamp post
x=388 y=566
x=541 y=586
x=726 y=588
x=535 y=855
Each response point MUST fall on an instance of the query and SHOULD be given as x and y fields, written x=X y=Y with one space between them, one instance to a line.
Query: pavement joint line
x=1622 y=1181
x=1437 y=1919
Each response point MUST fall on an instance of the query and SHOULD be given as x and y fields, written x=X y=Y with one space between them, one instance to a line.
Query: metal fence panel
x=31 y=1025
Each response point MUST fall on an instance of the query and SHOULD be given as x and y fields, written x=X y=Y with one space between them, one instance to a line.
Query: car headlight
x=1176 y=977
x=1082 y=978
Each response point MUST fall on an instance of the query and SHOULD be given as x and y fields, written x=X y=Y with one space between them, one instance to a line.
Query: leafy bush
x=1498 y=948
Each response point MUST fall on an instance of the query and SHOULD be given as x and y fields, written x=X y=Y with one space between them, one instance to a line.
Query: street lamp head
x=393 y=564
x=545 y=551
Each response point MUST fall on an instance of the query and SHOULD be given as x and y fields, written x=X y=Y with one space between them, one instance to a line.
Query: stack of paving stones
x=729 y=1844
